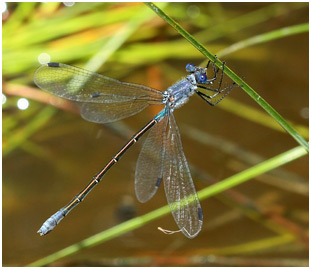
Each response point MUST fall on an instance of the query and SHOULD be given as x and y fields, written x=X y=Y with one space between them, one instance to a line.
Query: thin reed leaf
x=248 y=112
x=23 y=133
x=210 y=191
x=262 y=244
x=129 y=42
x=116 y=41
x=247 y=88
x=277 y=34
x=245 y=21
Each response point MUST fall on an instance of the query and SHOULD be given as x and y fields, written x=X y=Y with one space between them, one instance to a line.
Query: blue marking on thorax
x=180 y=88
x=160 y=115
x=180 y=92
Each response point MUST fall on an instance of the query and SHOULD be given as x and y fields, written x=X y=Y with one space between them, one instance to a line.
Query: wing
x=102 y=97
x=109 y=112
x=179 y=188
x=148 y=175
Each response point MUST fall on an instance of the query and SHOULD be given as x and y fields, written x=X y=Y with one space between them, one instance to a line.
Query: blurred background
x=50 y=153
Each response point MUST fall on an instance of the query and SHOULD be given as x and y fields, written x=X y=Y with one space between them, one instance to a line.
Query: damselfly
x=105 y=99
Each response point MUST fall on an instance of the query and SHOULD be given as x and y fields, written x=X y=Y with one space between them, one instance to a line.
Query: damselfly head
x=199 y=72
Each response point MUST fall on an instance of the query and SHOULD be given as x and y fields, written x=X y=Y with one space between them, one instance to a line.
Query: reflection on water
x=58 y=160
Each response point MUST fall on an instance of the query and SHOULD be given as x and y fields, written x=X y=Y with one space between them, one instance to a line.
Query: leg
x=217 y=90
x=217 y=97
x=210 y=81
x=213 y=62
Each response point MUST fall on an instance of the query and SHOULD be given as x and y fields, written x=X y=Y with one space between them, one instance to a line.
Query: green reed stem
x=137 y=222
x=247 y=88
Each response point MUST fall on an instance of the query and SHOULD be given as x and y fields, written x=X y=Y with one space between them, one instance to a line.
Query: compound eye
x=202 y=78
x=190 y=68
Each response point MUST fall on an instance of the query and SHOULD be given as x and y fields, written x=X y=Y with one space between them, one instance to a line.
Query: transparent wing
x=109 y=112
x=179 y=188
x=148 y=175
x=101 y=96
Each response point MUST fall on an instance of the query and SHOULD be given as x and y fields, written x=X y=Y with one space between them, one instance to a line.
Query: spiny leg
x=219 y=93
x=209 y=98
x=210 y=81
x=214 y=78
